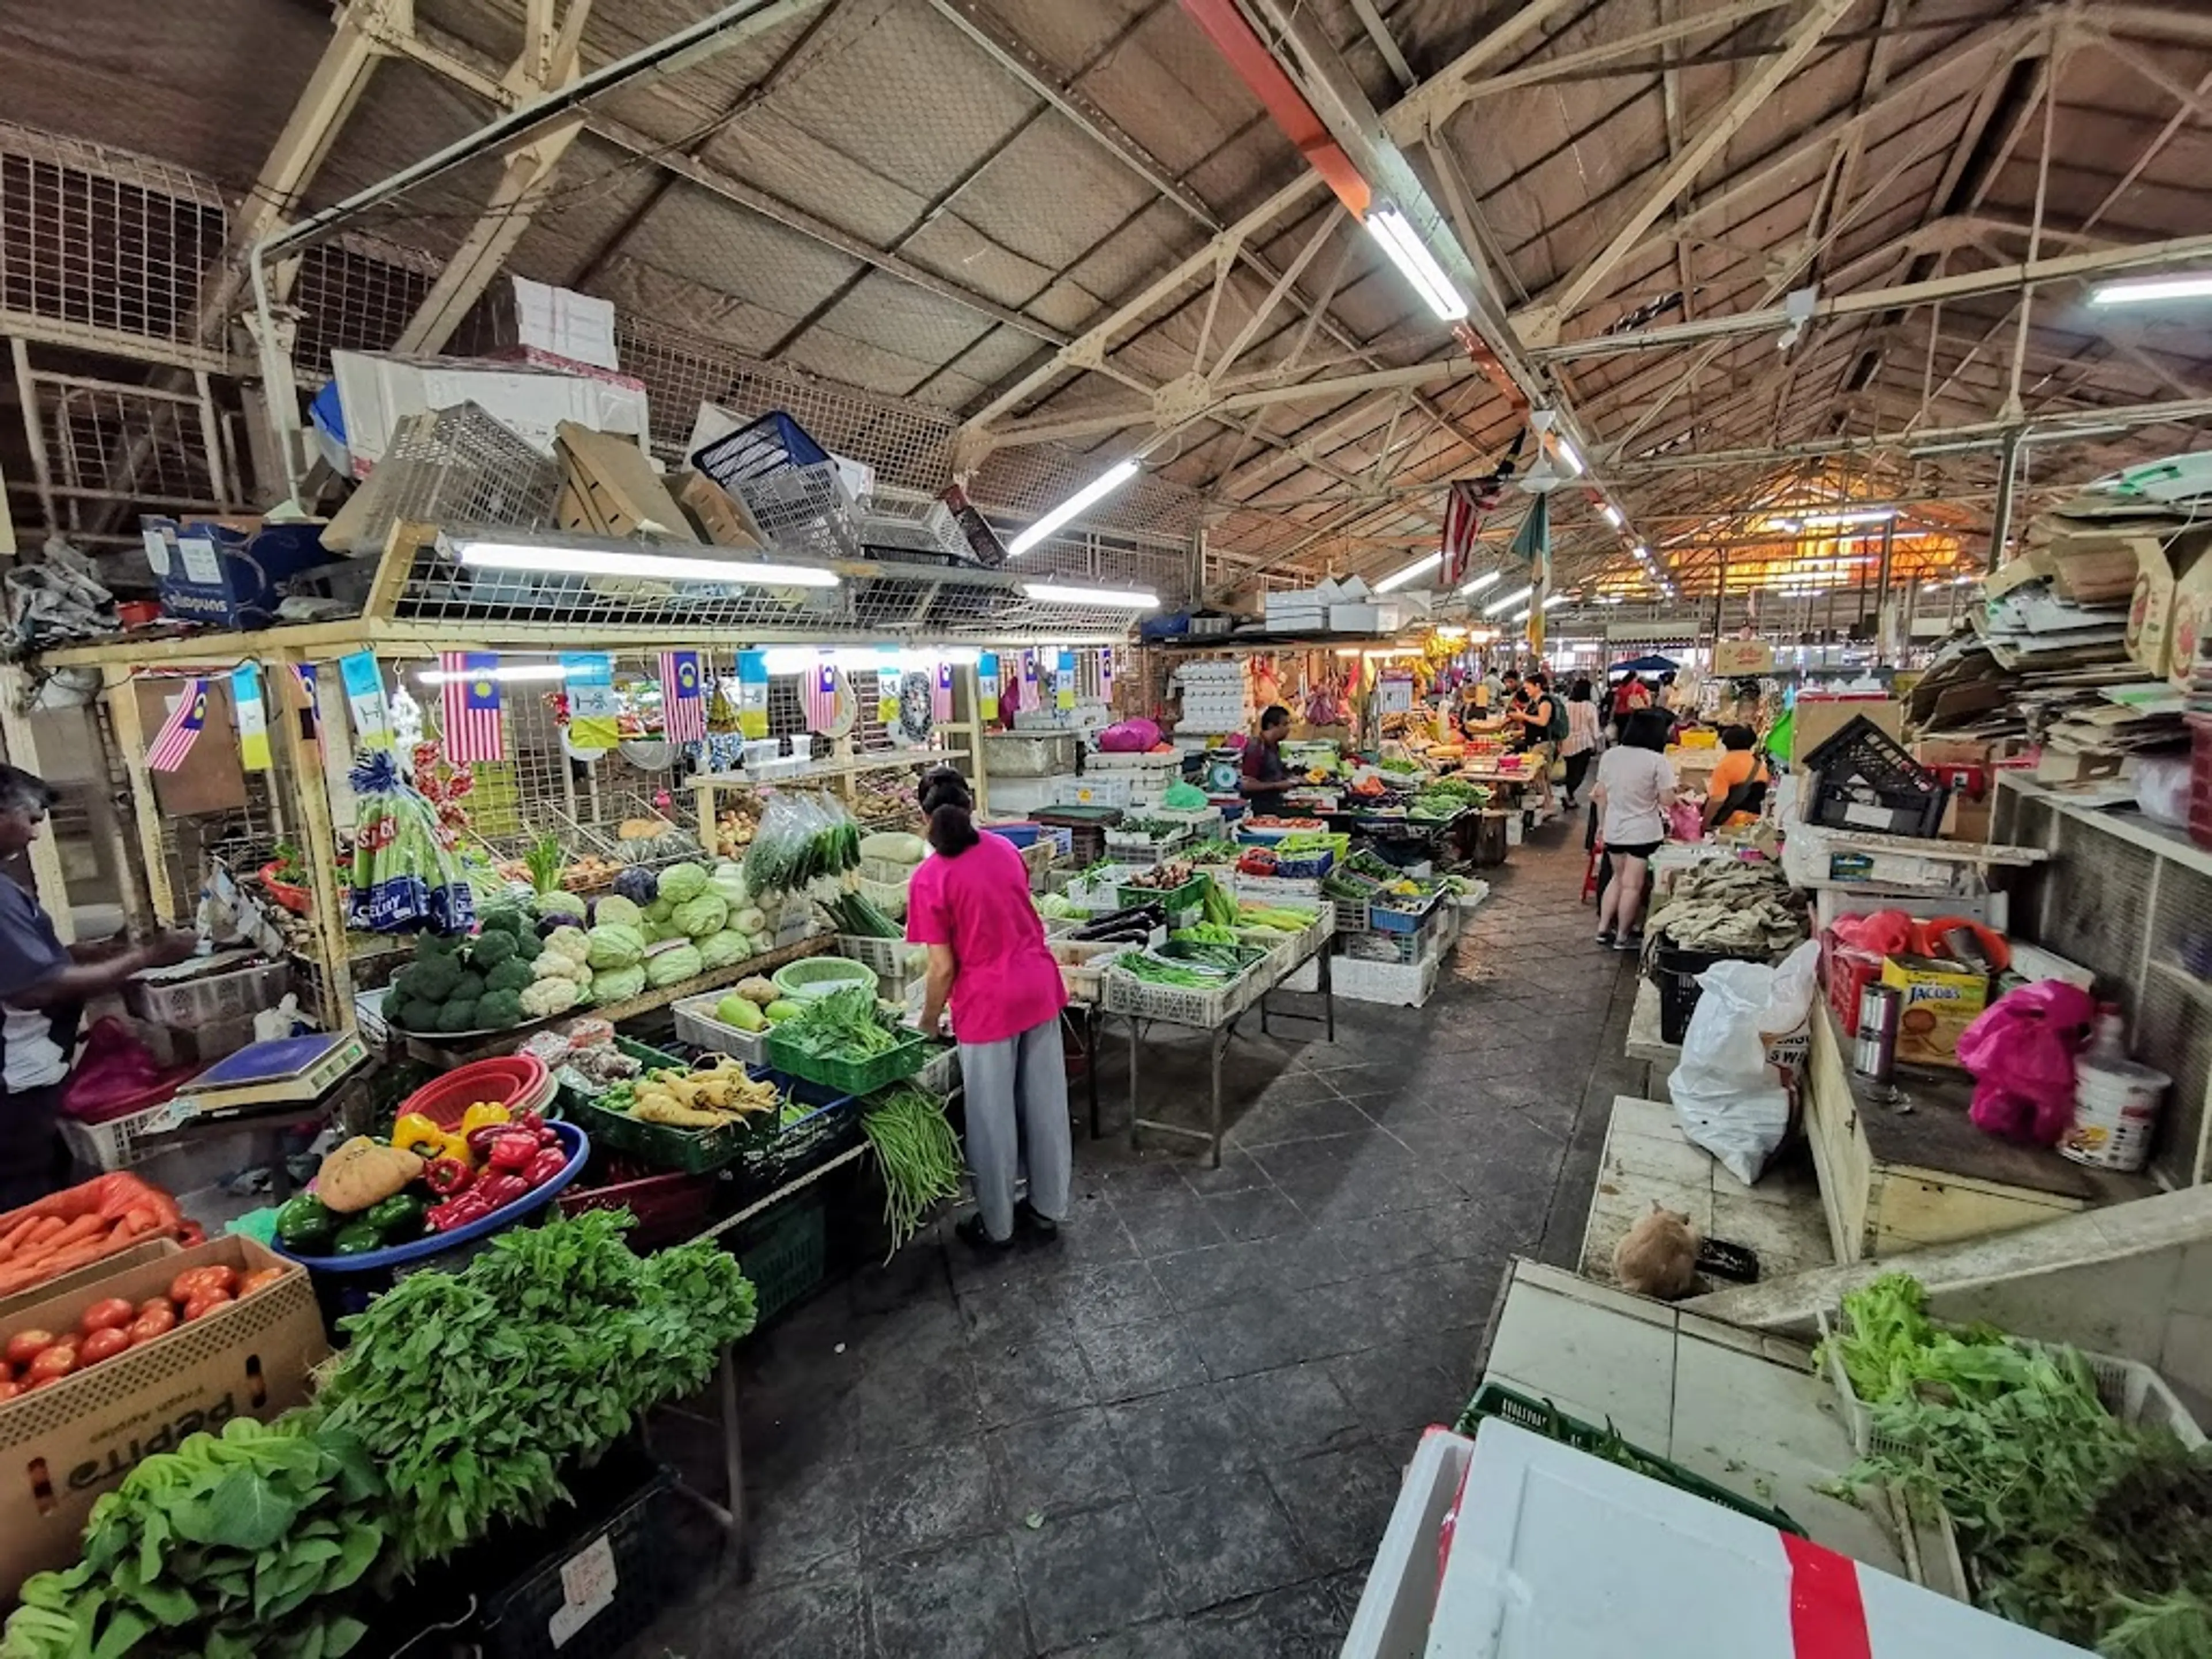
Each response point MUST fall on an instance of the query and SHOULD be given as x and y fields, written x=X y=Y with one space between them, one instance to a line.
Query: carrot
x=21 y=1275
x=16 y=1235
x=50 y=1226
x=76 y=1232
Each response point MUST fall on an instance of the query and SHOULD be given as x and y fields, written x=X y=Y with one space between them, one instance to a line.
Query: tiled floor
x=1177 y=1432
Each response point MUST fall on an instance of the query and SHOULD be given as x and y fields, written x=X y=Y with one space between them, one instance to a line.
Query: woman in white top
x=1635 y=788
x=1579 y=747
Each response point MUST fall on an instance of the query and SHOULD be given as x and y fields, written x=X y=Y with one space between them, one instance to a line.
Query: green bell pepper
x=358 y=1237
x=304 y=1225
x=398 y=1219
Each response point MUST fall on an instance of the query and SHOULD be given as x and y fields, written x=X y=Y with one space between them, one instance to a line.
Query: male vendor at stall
x=1264 y=776
x=44 y=986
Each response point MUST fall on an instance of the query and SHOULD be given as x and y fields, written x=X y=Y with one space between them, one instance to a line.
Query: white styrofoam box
x=377 y=390
x=1400 y=984
x=1392 y=1622
x=1682 y=1578
x=1102 y=789
x=568 y=323
x=1142 y=759
x=1015 y=797
x=1385 y=618
x=1296 y=600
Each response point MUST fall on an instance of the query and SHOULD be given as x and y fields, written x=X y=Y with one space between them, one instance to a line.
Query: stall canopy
x=1653 y=665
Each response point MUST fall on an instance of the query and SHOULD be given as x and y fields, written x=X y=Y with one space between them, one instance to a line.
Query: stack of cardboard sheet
x=608 y=487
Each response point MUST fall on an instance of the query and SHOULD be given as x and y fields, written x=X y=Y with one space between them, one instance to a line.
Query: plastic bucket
x=2116 y=1108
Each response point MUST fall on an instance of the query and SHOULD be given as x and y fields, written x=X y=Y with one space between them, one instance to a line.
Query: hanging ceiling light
x=2150 y=289
x=1406 y=251
x=1487 y=579
x=1567 y=454
x=622 y=562
x=1096 y=490
x=1399 y=578
x=1865 y=516
x=1508 y=601
x=1129 y=598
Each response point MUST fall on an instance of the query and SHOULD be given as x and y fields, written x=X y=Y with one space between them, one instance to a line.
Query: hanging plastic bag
x=117 y=1075
x=2021 y=1051
x=777 y=845
x=1732 y=1099
x=405 y=879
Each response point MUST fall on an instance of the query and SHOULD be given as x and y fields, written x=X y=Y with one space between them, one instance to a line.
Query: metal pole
x=1882 y=610
x=2001 y=514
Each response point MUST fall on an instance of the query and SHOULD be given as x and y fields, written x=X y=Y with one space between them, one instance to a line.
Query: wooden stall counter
x=1893 y=1180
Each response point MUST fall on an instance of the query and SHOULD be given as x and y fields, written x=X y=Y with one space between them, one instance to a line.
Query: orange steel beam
x=1248 y=55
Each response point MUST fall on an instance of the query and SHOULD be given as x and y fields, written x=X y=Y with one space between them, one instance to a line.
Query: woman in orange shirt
x=1738 y=788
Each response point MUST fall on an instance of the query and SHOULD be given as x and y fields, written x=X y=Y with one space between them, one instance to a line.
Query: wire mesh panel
x=116 y=444
x=2100 y=919
x=355 y=293
x=2172 y=1028
x=458 y=465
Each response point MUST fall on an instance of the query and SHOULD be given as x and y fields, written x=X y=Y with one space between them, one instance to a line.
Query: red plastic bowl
x=507 y=1078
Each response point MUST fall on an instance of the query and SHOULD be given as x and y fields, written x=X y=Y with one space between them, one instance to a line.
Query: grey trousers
x=1017 y=1096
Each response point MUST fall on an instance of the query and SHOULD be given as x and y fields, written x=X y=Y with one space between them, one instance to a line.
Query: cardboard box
x=2190 y=622
x=1819 y=719
x=228 y=572
x=153 y=1249
x=2161 y=568
x=1732 y=659
x=1941 y=999
x=62 y=1447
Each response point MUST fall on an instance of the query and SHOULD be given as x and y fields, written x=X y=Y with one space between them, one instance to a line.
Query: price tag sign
x=587 y=1587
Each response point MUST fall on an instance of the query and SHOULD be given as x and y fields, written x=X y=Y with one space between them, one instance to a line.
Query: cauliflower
x=613 y=945
x=679 y=882
x=615 y=908
x=619 y=984
x=679 y=962
x=570 y=943
x=701 y=915
x=724 y=949
x=546 y=997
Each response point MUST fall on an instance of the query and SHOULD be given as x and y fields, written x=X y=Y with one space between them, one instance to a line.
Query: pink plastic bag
x=116 y=1076
x=1131 y=736
x=2020 y=1051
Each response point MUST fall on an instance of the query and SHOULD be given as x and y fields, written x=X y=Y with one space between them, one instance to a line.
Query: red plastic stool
x=1590 y=872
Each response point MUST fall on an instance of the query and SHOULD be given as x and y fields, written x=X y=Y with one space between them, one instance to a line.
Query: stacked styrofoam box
x=1302 y=610
x=1214 y=696
x=1013 y=798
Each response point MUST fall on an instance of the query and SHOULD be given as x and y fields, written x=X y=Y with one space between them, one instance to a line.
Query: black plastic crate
x=1676 y=971
x=618 y=1522
x=1868 y=782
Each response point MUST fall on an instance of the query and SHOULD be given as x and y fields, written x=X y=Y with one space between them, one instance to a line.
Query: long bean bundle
x=918 y=1153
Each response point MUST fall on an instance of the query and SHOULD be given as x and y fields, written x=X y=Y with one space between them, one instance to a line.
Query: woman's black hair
x=944 y=796
x=1738 y=737
x=1580 y=690
x=1648 y=728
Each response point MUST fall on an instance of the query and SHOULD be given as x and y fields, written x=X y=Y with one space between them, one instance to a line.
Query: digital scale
x=295 y=1071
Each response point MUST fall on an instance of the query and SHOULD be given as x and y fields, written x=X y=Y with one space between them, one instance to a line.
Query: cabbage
x=636 y=885
x=729 y=881
x=619 y=984
x=660 y=909
x=613 y=945
x=750 y=919
x=724 y=949
x=679 y=962
x=701 y=915
x=679 y=882
x=559 y=905
x=894 y=847
x=614 y=907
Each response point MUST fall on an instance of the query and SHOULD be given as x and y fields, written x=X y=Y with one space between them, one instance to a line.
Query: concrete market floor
x=1178 y=1431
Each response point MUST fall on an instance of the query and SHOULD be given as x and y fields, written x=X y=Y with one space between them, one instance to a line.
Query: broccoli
x=500 y=1009
x=467 y=988
x=429 y=979
x=411 y=1015
x=510 y=975
x=459 y=1015
x=434 y=944
x=527 y=946
x=492 y=949
x=505 y=920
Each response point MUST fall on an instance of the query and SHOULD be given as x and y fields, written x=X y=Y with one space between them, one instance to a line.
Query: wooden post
x=122 y=695
x=296 y=766
x=22 y=750
x=968 y=681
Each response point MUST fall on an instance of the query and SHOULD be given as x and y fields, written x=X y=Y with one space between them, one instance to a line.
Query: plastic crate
x=696 y=1024
x=888 y=958
x=1405 y=949
x=2200 y=777
x=803 y=511
x=529 y=1615
x=669 y=1207
x=849 y=1077
x=1189 y=895
x=1392 y=984
x=1351 y=914
x=1676 y=971
x=1204 y=1009
x=1387 y=918
x=197 y=1002
x=1542 y=1417
x=809 y=1141
x=1866 y=780
x=786 y=1252
x=2131 y=1392
x=770 y=444
x=1304 y=867
x=663 y=1146
x=1082 y=964
x=119 y=1143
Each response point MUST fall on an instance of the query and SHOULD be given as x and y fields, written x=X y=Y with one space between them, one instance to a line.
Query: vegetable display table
x=1253 y=989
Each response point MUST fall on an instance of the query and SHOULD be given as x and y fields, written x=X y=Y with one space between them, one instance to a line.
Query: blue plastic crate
x=1385 y=921
x=770 y=444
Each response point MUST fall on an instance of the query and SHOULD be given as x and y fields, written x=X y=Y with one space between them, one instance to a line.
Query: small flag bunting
x=822 y=695
x=682 y=699
x=252 y=717
x=471 y=730
x=940 y=695
x=181 y=730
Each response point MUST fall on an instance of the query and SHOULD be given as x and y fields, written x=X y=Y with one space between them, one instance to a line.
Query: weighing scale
x=295 y=1071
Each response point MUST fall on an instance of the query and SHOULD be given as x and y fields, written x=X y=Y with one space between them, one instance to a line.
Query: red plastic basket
x=668 y=1207
x=515 y=1080
x=2200 y=780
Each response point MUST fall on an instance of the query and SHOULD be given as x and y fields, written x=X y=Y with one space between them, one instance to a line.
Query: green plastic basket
x=1189 y=895
x=660 y=1146
x=785 y=1254
x=850 y=1077
x=822 y=976
x=1542 y=1417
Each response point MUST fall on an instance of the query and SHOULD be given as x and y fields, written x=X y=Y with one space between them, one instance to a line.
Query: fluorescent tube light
x=1096 y=490
x=621 y=561
x=802 y=658
x=507 y=672
x=1567 y=454
x=2150 y=289
x=1556 y=598
x=1784 y=524
x=1641 y=552
x=1406 y=251
x=2058 y=435
x=1487 y=579
x=1508 y=601
x=1399 y=578
x=1611 y=514
x=1868 y=515
x=1054 y=593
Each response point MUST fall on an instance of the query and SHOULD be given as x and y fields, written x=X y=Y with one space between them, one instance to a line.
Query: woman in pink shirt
x=987 y=959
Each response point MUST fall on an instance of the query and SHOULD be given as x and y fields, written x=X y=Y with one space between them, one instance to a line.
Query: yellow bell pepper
x=482 y=1116
x=417 y=1133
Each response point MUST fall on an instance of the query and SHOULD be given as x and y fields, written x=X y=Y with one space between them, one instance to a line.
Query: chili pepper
x=485 y=1114
x=513 y=1151
x=549 y=1163
x=500 y=1188
x=447 y=1177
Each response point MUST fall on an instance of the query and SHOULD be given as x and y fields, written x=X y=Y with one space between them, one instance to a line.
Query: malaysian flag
x=470 y=722
x=682 y=708
x=303 y=676
x=940 y=695
x=181 y=730
x=822 y=696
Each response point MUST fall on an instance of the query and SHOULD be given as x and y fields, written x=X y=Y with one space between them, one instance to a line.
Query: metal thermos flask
x=1880 y=1008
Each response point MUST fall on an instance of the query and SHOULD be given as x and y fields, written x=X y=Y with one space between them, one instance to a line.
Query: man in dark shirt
x=44 y=986
x=1264 y=776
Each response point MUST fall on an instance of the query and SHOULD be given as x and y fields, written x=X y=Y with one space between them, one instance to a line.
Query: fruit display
x=34 y=1359
x=370 y=1195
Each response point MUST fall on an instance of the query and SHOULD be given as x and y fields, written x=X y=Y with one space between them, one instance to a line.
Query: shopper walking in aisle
x=44 y=986
x=1635 y=790
x=988 y=961
x=1579 y=747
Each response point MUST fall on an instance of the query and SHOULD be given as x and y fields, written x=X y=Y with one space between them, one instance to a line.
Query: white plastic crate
x=1204 y=1009
x=696 y=1024
x=885 y=897
x=890 y=959
x=1094 y=789
x=245 y=992
x=1082 y=964
x=1138 y=762
x=1304 y=891
x=1398 y=986
x=119 y=1142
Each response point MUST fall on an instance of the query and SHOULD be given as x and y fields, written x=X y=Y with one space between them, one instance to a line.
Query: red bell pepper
x=513 y=1151
x=549 y=1163
x=526 y=1119
x=448 y=1176
x=500 y=1187
x=458 y=1212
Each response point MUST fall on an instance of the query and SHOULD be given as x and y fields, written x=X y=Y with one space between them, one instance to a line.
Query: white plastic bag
x=1731 y=1099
